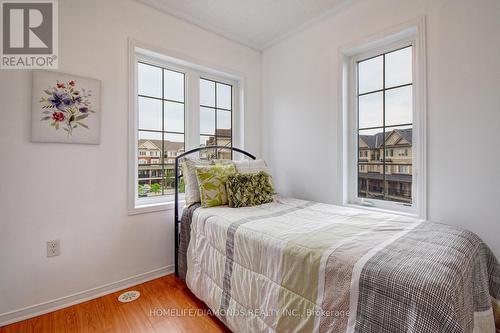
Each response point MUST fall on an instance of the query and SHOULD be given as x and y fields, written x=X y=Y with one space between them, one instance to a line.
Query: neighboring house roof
x=406 y=134
x=156 y=145
x=223 y=132
x=376 y=140
x=176 y=146
x=373 y=141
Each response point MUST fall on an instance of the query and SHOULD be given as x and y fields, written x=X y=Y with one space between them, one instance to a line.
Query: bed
x=300 y=266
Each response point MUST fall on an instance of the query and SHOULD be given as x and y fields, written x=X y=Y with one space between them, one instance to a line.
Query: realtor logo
x=29 y=34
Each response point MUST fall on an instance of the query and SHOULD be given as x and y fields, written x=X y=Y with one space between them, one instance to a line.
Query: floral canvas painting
x=65 y=108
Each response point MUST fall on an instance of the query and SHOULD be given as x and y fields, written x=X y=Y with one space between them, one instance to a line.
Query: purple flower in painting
x=61 y=100
x=67 y=100
x=78 y=99
x=84 y=109
x=56 y=99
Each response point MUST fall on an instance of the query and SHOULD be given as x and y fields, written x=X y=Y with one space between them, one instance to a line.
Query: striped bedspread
x=298 y=266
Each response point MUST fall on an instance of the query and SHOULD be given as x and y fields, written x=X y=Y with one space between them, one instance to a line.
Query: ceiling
x=254 y=23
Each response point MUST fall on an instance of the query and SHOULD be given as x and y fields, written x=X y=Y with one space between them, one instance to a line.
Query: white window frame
x=193 y=72
x=410 y=33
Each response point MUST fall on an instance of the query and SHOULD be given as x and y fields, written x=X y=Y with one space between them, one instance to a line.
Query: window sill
x=143 y=208
x=382 y=210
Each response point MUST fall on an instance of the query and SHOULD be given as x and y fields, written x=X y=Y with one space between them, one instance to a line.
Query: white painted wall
x=78 y=193
x=300 y=106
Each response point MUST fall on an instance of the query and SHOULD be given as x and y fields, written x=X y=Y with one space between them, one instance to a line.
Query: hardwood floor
x=165 y=305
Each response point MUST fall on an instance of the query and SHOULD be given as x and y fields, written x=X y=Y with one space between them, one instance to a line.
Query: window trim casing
x=413 y=33
x=193 y=70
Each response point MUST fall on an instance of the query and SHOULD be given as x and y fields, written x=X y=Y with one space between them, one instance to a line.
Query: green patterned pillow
x=250 y=189
x=212 y=180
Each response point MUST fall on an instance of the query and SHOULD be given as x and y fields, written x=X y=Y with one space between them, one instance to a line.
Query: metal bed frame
x=176 y=185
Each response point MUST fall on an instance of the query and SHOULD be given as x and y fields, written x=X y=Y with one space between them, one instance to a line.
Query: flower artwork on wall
x=65 y=108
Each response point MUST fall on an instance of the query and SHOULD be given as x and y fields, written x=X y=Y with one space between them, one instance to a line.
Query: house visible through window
x=385 y=125
x=403 y=168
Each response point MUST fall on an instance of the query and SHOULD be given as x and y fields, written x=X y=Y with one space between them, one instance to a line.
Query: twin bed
x=300 y=266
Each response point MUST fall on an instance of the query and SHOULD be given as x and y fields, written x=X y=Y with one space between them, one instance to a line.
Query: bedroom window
x=384 y=83
x=175 y=106
x=385 y=123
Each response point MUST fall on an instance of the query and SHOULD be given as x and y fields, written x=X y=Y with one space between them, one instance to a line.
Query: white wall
x=78 y=193
x=300 y=106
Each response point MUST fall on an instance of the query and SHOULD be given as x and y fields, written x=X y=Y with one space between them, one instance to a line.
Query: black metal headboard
x=177 y=176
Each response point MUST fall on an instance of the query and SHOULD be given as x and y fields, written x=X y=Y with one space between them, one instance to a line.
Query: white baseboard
x=82 y=296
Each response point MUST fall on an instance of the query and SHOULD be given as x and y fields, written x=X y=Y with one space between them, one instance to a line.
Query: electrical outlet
x=53 y=248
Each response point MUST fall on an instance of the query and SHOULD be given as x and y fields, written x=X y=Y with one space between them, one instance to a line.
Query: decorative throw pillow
x=192 y=188
x=251 y=189
x=212 y=180
x=253 y=166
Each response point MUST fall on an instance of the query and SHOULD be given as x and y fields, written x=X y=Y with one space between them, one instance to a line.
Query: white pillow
x=192 y=187
x=251 y=166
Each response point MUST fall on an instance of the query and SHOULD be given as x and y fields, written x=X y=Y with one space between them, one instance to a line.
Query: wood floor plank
x=113 y=319
x=174 y=289
x=159 y=304
x=16 y=327
x=153 y=302
x=39 y=324
x=87 y=317
x=64 y=320
x=163 y=307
